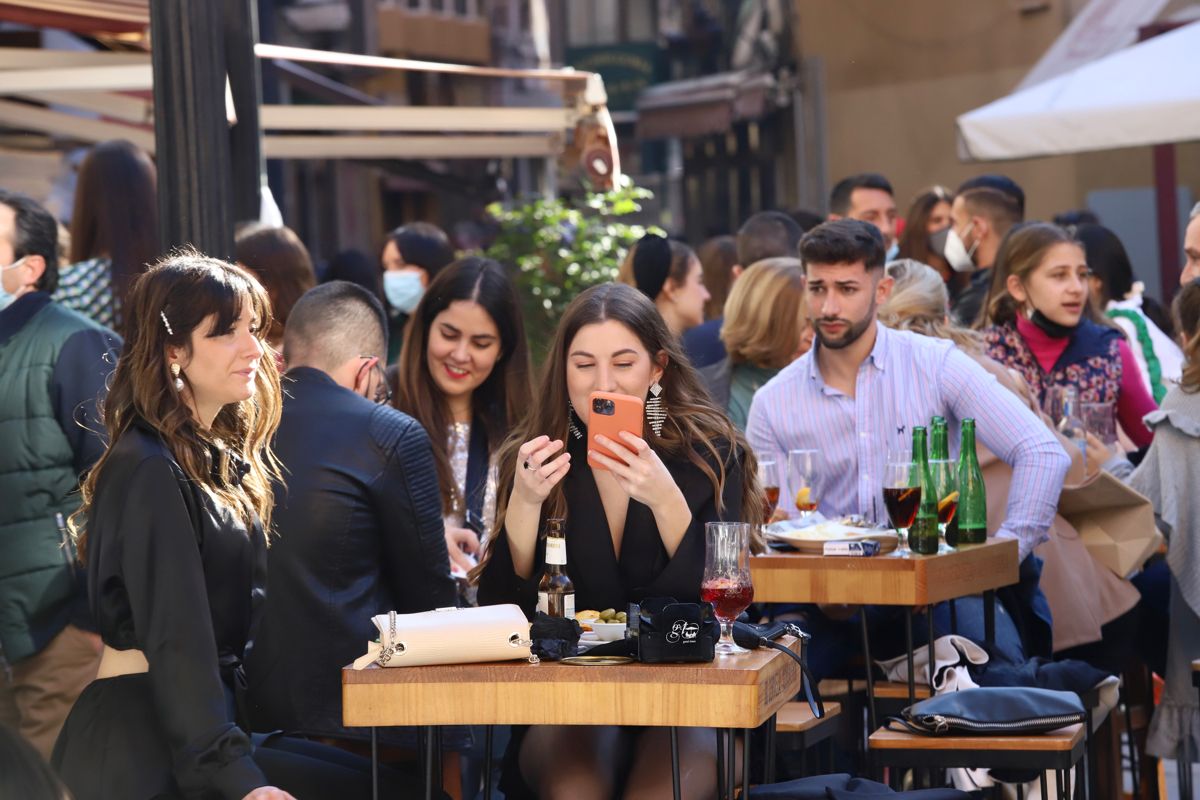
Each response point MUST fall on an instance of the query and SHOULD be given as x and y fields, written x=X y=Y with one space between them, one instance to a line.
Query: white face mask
x=957 y=254
x=6 y=297
x=403 y=289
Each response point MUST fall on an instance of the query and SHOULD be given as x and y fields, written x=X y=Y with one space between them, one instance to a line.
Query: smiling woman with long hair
x=634 y=525
x=172 y=530
x=463 y=374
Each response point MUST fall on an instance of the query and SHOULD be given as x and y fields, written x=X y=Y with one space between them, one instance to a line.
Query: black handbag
x=667 y=631
x=994 y=710
x=751 y=637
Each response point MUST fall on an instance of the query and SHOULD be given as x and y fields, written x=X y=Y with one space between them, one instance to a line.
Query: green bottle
x=972 y=494
x=923 y=535
x=939 y=450
x=939 y=439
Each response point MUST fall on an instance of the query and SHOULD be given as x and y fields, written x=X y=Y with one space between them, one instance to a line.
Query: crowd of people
x=216 y=473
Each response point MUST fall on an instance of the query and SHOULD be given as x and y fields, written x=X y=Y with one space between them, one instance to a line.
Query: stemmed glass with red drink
x=901 y=493
x=726 y=582
x=768 y=478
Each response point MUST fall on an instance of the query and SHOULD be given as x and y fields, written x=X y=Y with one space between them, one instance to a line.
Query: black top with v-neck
x=603 y=578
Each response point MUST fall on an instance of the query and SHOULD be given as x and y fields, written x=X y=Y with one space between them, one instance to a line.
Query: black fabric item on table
x=554 y=638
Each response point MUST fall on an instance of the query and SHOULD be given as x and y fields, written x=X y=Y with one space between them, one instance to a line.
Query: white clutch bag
x=449 y=636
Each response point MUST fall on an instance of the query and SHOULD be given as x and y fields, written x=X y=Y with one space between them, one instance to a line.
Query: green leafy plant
x=558 y=248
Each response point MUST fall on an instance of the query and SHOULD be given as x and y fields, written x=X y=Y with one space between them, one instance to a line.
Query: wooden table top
x=740 y=691
x=1062 y=740
x=893 y=579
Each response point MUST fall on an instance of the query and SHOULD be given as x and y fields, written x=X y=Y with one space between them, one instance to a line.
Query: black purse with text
x=667 y=631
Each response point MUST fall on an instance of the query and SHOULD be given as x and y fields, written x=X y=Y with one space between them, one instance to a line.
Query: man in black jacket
x=358 y=525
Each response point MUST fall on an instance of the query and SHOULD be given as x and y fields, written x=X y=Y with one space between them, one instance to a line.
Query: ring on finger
x=527 y=465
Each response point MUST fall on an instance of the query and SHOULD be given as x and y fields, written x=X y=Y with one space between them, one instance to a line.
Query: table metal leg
x=1086 y=784
x=1058 y=784
x=1021 y=792
x=720 y=762
x=908 y=653
x=1067 y=773
x=1042 y=779
x=438 y=777
x=746 y=762
x=730 y=761
x=769 y=761
x=932 y=671
x=989 y=616
x=427 y=737
x=862 y=615
x=374 y=763
x=487 y=762
x=675 y=762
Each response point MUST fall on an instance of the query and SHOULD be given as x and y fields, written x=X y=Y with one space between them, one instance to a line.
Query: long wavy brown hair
x=198 y=296
x=501 y=399
x=694 y=428
x=1187 y=321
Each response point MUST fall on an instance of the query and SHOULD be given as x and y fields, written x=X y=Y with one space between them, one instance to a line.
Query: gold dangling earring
x=175 y=371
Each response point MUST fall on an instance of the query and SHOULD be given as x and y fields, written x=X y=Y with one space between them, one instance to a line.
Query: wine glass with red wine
x=726 y=582
x=768 y=478
x=901 y=494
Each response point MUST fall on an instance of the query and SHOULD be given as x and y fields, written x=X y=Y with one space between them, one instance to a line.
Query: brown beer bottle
x=556 y=593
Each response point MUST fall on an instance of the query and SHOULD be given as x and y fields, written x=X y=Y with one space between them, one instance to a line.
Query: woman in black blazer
x=173 y=530
x=634 y=525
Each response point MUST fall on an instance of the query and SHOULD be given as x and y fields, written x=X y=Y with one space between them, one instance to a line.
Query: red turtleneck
x=1133 y=401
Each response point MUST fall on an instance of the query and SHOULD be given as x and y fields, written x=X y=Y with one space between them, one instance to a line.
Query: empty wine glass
x=1100 y=421
x=768 y=479
x=901 y=493
x=726 y=583
x=802 y=475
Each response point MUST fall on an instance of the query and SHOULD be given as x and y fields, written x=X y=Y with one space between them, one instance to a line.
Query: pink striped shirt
x=906 y=380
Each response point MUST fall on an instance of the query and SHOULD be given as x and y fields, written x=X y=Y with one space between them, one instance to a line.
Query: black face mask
x=1051 y=328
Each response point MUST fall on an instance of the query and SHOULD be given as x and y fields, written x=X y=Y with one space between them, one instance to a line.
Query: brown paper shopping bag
x=1115 y=522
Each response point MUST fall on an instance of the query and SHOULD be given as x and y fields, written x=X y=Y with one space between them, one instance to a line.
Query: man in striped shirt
x=858 y=393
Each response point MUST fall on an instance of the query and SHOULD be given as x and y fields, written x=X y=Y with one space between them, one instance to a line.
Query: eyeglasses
x=383 y=392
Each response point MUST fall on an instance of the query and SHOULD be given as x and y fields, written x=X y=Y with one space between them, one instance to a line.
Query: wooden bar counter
x=891 y=580
x=739 y=691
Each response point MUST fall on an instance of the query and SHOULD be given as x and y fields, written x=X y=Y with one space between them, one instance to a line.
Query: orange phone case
x=626 y=416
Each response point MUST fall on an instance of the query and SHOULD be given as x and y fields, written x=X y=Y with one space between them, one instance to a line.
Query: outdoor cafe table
x=895 y=579
x=737 y=691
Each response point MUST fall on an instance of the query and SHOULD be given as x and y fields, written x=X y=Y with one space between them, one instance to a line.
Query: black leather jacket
x=357 y=532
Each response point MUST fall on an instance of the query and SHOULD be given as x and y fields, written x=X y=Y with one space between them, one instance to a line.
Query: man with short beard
x=860 y=390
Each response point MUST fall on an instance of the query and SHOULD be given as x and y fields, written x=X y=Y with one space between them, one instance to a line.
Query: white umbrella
x=1145 y=94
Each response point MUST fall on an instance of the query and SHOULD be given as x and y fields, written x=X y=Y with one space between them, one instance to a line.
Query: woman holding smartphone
x=464 y=375
x=634 y=523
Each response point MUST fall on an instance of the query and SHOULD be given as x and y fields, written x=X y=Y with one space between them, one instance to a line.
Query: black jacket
x=969 y=303
x=357 y=531
x=602 y=577
x=178 y=576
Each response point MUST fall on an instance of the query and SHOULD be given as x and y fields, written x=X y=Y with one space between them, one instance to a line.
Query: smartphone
x=610 y=414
